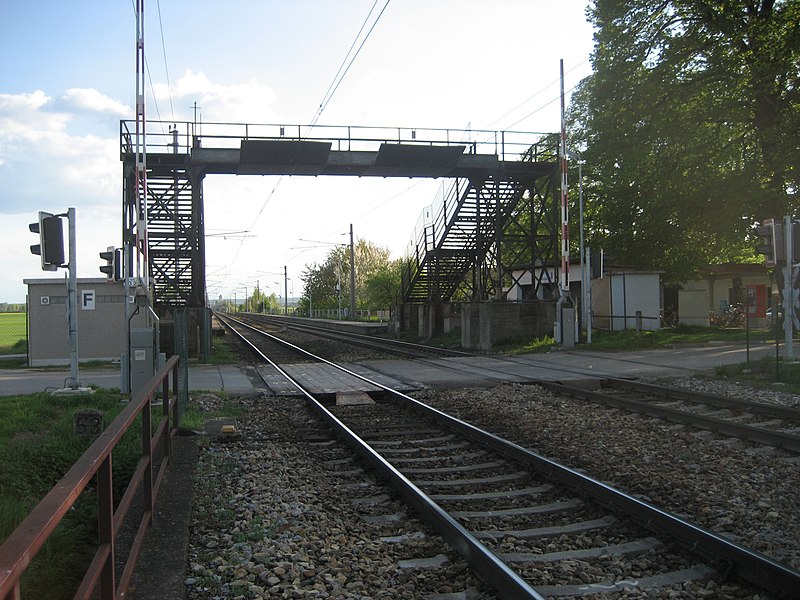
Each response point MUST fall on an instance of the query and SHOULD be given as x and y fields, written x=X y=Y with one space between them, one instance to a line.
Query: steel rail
x=769 y=410
x=756 y=434
x=750 y=565
x=484 y=562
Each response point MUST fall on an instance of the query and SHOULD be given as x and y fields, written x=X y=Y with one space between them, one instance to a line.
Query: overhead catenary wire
x=349 y=50
x=166 y=64
x=334 y=85
x=341 y=73
x=534 y=95
x=337 y=82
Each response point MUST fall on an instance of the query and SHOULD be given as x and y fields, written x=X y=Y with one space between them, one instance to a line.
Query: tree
x=324 y=283
x=373 y=276
x=327 y=285
x=260 y=302
x=382 y=285
x=689 y=127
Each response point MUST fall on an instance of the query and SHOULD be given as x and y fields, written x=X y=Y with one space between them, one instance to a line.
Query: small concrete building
x=101 y=321
x=721 y=286
x=627 y=300
x=617 y=297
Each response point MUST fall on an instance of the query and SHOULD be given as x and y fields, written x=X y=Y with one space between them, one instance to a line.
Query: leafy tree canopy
x=374 y=273
x=689 y=128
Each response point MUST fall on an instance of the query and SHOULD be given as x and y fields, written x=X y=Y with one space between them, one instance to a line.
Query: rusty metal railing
x=25 y=541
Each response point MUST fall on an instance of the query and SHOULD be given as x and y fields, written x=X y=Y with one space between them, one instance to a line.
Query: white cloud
x=26 y=115
x=43 y=165
x=11 y=103
x=88 y=100
x=248 y=102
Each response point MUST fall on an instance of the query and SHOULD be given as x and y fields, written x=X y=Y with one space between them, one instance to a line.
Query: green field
x=37 y=446
x=13 y=338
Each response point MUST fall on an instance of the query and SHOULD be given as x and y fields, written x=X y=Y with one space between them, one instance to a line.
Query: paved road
x=444 y=372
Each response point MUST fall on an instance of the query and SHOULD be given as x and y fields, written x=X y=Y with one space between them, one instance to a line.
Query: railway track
x=766 y=424
x=270 y=345
x=769 y=424
x=528 y=526
x=373 y=343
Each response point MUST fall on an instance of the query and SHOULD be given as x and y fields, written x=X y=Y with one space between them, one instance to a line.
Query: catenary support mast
x=141 y=153
x=563 y=278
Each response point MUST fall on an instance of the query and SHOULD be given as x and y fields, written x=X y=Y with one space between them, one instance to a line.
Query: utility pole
x=352 y=276
x=72 y=298
x=565 y=309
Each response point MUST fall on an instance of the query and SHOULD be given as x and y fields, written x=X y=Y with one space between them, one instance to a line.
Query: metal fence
x=94 y=467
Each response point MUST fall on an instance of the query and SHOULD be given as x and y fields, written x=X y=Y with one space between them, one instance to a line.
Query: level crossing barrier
x=25 y=541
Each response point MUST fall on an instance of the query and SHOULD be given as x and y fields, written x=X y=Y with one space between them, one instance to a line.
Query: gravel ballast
x=282 y=513
x=744 y=491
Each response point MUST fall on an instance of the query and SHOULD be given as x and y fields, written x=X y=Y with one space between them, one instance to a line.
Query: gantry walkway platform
x=495 y=169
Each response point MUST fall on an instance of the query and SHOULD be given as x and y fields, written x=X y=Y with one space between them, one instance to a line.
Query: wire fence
x=13 y=333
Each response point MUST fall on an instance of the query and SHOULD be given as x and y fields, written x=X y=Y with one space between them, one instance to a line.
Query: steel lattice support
x=529 y=242
x=175 y=232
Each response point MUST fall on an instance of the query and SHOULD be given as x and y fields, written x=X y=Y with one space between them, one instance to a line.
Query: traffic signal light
x=51 y=241
x=770 y=242
x=113 y=266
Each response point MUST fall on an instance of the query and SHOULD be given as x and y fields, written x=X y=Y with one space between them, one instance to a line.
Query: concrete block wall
x=487 y=324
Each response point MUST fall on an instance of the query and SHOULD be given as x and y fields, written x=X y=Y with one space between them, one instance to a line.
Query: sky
x=68 y=76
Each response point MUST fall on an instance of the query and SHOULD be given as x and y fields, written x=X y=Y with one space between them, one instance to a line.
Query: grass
x=194 y=419
x=526 y=346
x=223 y=351
x=37 y=446
x=764 y=373
x=615 y=341
x=629 y=339
x=451 y=339
x=13 y=333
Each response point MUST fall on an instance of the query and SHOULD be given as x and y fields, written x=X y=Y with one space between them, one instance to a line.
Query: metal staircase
x=457 y=242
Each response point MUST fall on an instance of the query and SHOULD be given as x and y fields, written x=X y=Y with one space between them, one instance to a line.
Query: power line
x=349 y=50
x=166 y=66
x=335 y=84
x=542 y=107
x=529 y=98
